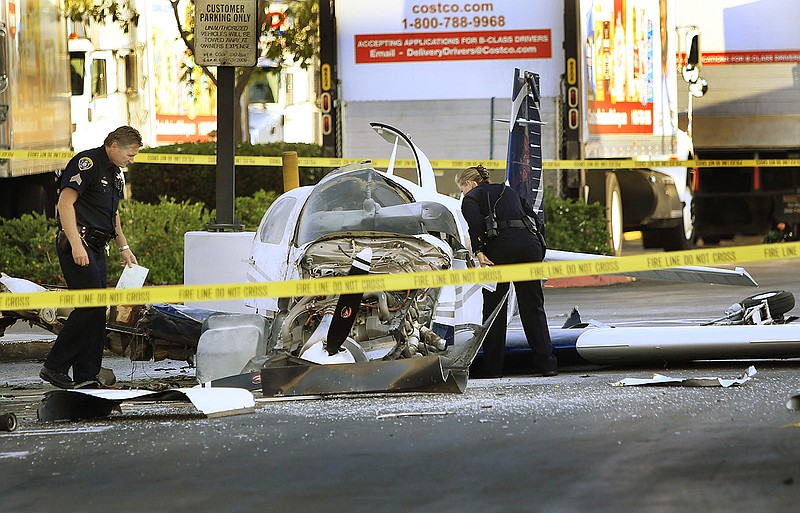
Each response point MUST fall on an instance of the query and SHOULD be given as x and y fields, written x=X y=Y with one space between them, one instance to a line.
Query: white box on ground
x=216 y=257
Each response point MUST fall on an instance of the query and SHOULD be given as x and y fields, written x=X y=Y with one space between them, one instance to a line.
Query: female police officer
x=91 y=187
x=501 y=234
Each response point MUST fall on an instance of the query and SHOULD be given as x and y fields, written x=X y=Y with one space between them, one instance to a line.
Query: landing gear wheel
x=778 y=301
x=8 y=422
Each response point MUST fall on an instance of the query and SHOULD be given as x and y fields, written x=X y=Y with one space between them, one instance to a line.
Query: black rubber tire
x=671 y=239
x=8 y=422
x=778 y=301
x=604 y=188
x=675 y=239
x=652 y=239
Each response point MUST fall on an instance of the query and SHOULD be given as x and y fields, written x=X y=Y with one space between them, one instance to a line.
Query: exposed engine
x=389 y=324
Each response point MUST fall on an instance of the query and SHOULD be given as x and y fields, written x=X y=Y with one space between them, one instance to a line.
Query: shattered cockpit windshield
x=357 y=201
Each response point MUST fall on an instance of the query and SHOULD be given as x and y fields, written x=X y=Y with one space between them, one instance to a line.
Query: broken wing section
x=692 y=274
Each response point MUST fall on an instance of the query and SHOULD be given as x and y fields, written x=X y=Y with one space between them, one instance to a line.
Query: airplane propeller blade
x=346 y=309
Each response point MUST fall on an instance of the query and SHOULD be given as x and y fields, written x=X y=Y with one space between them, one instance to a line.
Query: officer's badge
x=77 y=179
x=85 y=163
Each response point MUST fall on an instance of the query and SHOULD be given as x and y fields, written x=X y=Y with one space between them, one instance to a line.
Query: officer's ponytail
x=477 y=174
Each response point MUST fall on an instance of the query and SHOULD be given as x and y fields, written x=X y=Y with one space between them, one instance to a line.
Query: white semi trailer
x=34 y=102
x=609 y=88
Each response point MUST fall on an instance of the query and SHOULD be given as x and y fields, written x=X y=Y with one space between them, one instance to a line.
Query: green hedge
x=28 y=249
x=573 y=225
x=197 y=183
x=155 y=233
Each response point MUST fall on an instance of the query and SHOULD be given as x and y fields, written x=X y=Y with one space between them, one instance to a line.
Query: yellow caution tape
x=37 y=155
x=325 y=162
x=403 y=281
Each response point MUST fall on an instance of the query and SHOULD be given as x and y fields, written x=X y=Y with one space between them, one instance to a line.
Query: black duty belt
x=94 y=237
x=513 y=223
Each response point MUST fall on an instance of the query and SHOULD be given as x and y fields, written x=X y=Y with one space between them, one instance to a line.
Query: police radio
x=491 y=226
x=490 y=221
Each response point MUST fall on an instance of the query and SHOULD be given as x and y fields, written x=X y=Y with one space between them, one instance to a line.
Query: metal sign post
x=226 y=35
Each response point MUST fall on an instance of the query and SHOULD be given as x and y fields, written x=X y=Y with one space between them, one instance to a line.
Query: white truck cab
x=99 y=82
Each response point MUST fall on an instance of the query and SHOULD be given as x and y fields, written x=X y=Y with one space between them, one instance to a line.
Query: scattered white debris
x=18 y=454
x=412 y=414
x=62 y=431
x=85 y=404
x=660 y=379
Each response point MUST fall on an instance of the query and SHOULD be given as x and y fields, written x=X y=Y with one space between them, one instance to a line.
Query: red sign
x=12 y=19
x=750 y=57
x=453 y=46
x=620 y=118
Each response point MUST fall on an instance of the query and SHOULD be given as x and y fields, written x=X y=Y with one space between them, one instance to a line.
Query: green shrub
x=28 y=249
x=575 y=226
x=155 y=234
x=197 y=183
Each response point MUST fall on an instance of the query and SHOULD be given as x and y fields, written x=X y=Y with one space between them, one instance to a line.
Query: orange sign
x=12 y=19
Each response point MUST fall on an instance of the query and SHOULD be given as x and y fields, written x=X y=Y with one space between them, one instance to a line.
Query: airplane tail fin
x=524 y=159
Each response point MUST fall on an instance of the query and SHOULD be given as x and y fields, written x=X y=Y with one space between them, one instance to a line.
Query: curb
x=587 y=281
x=24 y=350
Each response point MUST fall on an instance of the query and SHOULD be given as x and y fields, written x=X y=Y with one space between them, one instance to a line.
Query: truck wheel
x=614 y=213
x=652 y=239
x=677 y=238
x=778 y=301
x=604 y=188
x=671 y=239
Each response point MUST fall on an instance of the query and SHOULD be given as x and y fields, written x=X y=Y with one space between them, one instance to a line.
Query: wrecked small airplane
x=358 y=220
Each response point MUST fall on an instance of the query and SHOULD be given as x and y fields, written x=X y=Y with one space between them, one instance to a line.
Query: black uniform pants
x=80 y=343
x=515 y=246
x=530 y=298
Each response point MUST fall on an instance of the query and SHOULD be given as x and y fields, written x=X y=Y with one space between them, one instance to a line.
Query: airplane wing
x=689 y=273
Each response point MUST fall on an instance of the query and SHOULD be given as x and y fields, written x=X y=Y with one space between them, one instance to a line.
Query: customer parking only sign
x=225 y=33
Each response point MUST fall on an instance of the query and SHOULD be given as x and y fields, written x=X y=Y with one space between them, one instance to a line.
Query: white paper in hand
x=132 y=277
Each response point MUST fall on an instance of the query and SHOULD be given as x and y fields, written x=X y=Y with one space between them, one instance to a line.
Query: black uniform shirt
x=99 y=186
x=506 y=204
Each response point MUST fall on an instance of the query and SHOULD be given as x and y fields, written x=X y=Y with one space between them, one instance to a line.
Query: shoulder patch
x=85 y=163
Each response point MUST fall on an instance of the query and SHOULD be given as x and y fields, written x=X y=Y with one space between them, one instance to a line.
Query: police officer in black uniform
x=503 y=230
x=91 y=187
